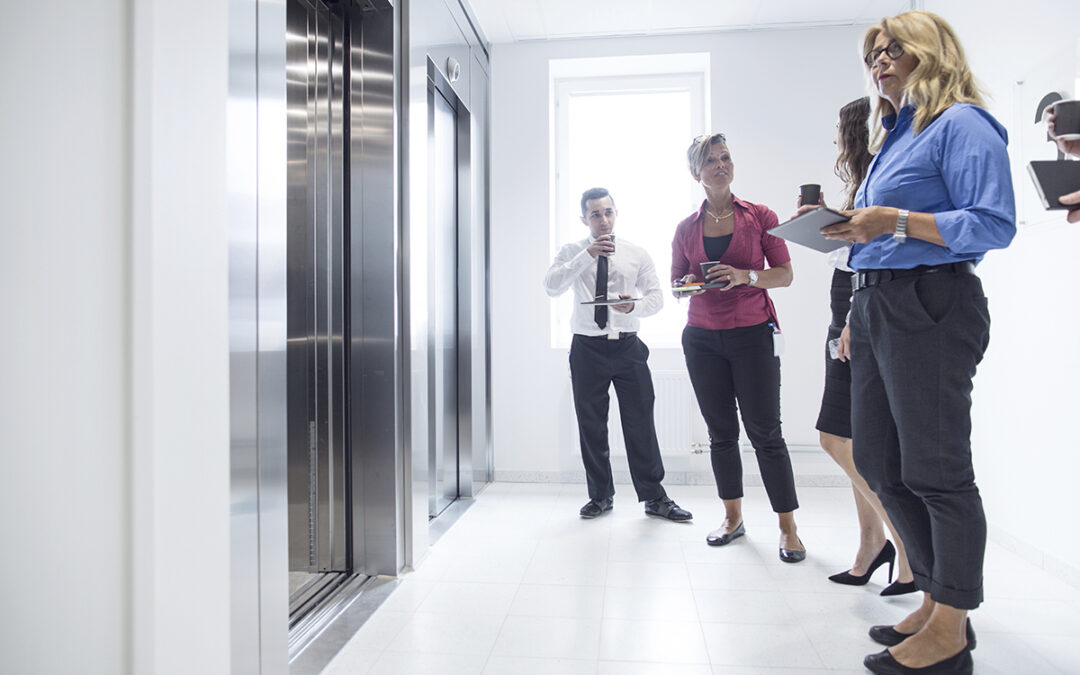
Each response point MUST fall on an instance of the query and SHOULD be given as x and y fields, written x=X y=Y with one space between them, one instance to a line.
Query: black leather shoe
x=883 y=663
x=790 y=555
x=722 y=539
x=899 y=588
x=595 y=508
x=890 y=637
x=664 y=507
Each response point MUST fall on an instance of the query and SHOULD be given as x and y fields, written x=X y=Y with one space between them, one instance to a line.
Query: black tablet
x=806 y=229
x=1053 y=179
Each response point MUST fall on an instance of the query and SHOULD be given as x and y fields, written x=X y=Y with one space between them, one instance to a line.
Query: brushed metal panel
x=375 y=336
x=256 y=185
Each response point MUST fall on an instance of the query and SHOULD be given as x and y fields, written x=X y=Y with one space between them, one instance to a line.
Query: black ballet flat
x=883 y=663
x=886 y=555
x=724 y=539
x=790 y=555
x=890 y=637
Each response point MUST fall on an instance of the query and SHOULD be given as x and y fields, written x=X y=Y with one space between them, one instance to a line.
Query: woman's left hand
x=734 y=277
x=865 y=224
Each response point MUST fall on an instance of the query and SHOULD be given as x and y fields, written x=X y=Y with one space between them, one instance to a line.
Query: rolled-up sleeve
x=975 y=168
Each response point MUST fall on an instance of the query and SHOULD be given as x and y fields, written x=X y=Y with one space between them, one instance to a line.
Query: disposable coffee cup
x=1067 y=119
x=705 y=267
x=810 y=193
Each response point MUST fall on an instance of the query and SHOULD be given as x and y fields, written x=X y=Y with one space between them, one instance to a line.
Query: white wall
x=64 y=265
x=1024 y=439
x=114 y=493
x=776 y=95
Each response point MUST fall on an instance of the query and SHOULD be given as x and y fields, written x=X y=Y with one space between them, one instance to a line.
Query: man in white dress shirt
x=606 y=350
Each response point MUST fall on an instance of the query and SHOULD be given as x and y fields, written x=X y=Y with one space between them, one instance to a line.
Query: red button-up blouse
x=751 y=246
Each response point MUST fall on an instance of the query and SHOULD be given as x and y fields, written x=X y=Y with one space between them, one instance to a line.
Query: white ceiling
x=522 y=20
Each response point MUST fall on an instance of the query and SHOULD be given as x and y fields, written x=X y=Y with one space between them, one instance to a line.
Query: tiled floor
x=521 y=585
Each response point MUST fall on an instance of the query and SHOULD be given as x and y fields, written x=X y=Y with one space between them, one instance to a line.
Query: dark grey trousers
x=915 y=343
x=595 y=364
x=737 y=366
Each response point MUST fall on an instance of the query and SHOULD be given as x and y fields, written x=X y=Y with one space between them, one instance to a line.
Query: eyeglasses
x=893 y=50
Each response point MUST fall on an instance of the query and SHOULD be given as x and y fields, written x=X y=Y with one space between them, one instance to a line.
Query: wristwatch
x=753 y=277
x=900 y=236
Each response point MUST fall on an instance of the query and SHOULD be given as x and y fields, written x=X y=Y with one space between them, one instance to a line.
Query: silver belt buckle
x=613 y=336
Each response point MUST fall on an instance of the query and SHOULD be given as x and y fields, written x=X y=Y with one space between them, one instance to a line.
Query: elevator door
x=443 y=293
x=316 y=206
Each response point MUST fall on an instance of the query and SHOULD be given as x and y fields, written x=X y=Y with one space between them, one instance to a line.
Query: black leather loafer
x=883 y=663
x=890 y=637
x=595 y=508
x=723 y=539
x=664 y=507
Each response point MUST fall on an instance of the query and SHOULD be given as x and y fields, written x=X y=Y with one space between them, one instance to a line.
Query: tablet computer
x=806 y=229
x=1053 y=179
x=610 y=301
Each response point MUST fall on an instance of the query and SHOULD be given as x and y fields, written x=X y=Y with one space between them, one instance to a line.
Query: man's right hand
x=603 y=246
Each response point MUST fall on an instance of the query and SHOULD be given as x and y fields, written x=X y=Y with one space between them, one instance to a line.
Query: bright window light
x=629 y=134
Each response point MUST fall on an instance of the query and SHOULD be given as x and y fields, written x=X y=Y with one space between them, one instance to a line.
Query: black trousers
x=737 y=366
x=915 y=343
x=595 y=364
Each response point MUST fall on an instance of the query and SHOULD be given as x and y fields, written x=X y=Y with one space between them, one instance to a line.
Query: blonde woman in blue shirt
x=937 y=196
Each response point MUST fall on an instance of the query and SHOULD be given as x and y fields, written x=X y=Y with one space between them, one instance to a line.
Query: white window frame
x=637 y=74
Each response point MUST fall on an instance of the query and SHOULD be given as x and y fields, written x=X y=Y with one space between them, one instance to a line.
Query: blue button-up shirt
x=958 y=170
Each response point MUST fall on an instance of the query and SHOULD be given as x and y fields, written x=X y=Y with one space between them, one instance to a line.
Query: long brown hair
x=854 y=157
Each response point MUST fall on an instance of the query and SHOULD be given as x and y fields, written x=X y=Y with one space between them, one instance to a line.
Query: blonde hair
x=940 y=78
x=698 y=152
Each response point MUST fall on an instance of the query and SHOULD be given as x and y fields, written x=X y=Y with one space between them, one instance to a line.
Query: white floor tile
x=751 y=645
x=443 y=634
x=645 y=575
x=521 y=585
x=753 y=607
x=518 y=665
x=663 y=641
x=649 y=603
x=572 y=602
x=469 y=598
x=415 y=663
x=553 y=638
x=627 y=668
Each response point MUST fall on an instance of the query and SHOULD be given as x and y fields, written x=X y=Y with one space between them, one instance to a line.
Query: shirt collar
x=889 y=122
x=735 y=201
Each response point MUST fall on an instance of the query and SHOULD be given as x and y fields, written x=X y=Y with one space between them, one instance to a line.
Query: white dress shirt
x=630 y=272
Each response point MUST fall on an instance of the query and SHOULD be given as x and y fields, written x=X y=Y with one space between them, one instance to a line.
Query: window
x=627 y=132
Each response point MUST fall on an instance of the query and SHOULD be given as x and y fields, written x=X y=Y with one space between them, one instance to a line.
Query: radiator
x=679 y=427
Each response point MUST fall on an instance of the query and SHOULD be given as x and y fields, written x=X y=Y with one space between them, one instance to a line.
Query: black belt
x=609 y=336
x=864 y=278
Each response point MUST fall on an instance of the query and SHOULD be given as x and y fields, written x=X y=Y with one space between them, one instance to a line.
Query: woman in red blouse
x=729 y=343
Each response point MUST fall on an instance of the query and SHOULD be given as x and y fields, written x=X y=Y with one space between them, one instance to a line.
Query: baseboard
x=1044 y=560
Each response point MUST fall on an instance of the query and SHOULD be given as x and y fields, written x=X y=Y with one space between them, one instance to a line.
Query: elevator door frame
x=440 y=496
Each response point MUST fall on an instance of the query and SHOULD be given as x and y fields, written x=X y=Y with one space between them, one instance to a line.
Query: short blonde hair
x=940 y=78
x=698 y=152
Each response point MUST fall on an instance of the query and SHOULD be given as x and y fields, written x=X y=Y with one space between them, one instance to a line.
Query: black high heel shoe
x=887 y=555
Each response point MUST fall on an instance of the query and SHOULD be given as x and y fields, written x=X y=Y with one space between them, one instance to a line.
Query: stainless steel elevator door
x=315 y=56
x=443 y=310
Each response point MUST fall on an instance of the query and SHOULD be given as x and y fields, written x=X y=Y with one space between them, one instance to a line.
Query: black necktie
x=600 y=313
